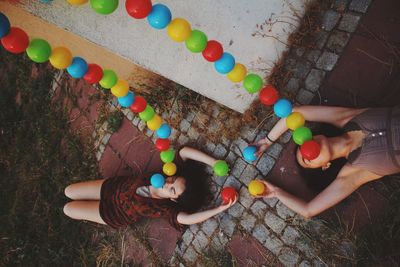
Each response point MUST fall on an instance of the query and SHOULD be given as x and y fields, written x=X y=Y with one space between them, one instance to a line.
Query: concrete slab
x=254 y=32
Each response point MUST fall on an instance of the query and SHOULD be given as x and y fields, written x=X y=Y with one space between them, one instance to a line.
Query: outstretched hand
x=269 y=192
x=261 y=146
x=226 y=206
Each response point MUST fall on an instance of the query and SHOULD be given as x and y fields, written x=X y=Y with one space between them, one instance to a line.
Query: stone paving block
x=318 y=263
x=265 y=164
x=303 y=245
x=359 y=5
x=184 y=126
x=304 y=97
x=259 y=208
x=249 y=174
x=275 y=150
x=305 y=263
x=327 y=61
x=271 y=123
x=260 y=232
x=194 y=228
x=219 y=180
x=271 y=201
x=245 y=198
x=190 y=116
x=300 y=51
x=220 y=151
x=209 y=226
x=149 y=133
x=102 y=148
x=290 y=235
x=210 y=147
x=340 y=5
x=330 y=20
x=129 y=115
x=320 y=39
x=248 y=133
x=261 y=134
x=136 y=121
x=183 y=139
x=225 y=141
x=292 y=85
x=232 y=181
x=349 y=22
x=274 y=222
x=187 y=237
x=231 y=158
x=236 y=210
x=314 y=80
x=200 y=241
x=285 y=137
x=273 y=244
x=142 y=125
x=193 y=134
x=227 y=224
x=190 y=255
x=238 y=146
x=283 y=211
x=313 y=55
x=288 y=257
x=174 y=134
x=238 y=167
x=219 y=241
x=337 y=41
x=248 y=221
x=302 y=69
x=180 y=249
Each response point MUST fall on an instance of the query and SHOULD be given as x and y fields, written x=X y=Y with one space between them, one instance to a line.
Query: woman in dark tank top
x=370 y=143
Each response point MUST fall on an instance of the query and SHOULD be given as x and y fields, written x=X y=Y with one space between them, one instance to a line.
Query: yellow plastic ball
x=295 y=120
x=256 y=188
x=169 y=168
x=238 y=73
x=179 y=30
x=77 y=2
x=60 y=58
x=154 y=123
x=120 y=89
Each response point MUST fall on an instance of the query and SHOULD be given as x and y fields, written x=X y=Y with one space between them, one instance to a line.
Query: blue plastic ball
x=4 y=25
x=225 y=64
x=248 y=153
x=78 y=68
x=283 y=108
x=45 y=1
x=159 y=17
x=164 y=131
x=127 y=100
x=157 y=180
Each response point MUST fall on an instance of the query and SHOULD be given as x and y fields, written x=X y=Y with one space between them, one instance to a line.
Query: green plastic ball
x=221 y=168
x=39 y=50
x=196 y=42
x=252 y=83
x=167 y=156
x=147 y=114
x=104 y=7
x=109 y=79
x=302 y=134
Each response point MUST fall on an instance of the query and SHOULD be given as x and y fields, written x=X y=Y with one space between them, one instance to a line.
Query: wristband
x=269 y=139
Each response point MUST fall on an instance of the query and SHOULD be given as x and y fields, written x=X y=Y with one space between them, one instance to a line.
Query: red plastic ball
x=16 y=41
x=310 y=149
x=213 y=51
x=227 y=194
x=139 y=104
x=94 y=74
x=162 y=144
x=139 y=9
x=269 y=95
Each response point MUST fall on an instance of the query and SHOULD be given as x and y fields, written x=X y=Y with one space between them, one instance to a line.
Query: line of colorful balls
x=16 y=41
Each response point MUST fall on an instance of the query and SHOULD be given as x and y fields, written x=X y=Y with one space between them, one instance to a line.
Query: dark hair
x=197 y=192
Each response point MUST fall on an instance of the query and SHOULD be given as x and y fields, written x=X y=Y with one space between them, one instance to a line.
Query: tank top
x=380 y=150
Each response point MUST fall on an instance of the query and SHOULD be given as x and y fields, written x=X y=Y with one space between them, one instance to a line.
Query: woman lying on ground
x=122 y=201
x=370 y=143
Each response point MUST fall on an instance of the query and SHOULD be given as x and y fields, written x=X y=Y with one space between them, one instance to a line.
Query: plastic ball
x=139 y=104
x=295 y=120
x=16 y=41
x=60 y=58
x=249 y=153
x=77 y=2
x=39 y=50
x=78 y=68
x=104 y=7
x=269 y=95
x=256 y=188
x=157 y=180
x=282 y=108
x=252 y=83
x=179 y=30
x=154 y=123
x=159 y=17
x=228 y=193
x=196 y=42
x=4 y=25
x=164 y=131
x=302 y=134
x=109 y=79
x=94 y=74
x=126 y=101
x=162 y=144
x=147 y=114
x=238 y=73
x=167 y=156
x=120 y=89
x=169 y=168
x=213 y=51
x=221 y=168
x=138 y=9
x=46 y=1
x=310 y=149
x=225 y=64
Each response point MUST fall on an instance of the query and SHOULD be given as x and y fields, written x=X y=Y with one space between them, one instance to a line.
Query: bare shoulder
x=356 y=175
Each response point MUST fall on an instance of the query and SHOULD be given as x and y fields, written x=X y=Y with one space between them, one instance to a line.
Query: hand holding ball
x=249 y=153
x=228 y=194
x=256 y=188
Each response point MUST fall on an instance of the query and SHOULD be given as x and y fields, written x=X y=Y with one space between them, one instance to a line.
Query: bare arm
x=194 y=154
x=198 y=217
x=348 y=180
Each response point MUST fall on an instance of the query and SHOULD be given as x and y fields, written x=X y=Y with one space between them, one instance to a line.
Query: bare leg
x=89 y=190
x=84 y=210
